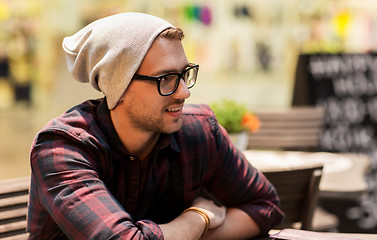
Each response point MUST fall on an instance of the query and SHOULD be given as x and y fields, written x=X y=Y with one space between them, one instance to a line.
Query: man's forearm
x=237 y=225
x=187 y=226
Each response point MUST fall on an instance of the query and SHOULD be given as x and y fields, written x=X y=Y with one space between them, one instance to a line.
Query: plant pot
x=240 y=140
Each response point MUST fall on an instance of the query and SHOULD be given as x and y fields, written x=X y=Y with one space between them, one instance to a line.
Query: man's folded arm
x=237 y=184
x=70 y=190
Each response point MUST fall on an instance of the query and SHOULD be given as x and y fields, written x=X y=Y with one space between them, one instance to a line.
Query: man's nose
x=182 y=91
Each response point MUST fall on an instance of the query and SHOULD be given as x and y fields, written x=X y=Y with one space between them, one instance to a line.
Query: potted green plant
x=236 y=119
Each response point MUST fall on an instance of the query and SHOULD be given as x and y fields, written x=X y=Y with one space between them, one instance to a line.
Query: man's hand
x=190 y=225
x=216 y=213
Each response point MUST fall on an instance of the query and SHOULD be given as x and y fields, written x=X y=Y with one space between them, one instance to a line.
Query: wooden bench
x=295 y=128
x=14 y=196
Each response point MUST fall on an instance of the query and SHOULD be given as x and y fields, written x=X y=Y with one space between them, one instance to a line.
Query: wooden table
x=343 y=174
x=308 y=235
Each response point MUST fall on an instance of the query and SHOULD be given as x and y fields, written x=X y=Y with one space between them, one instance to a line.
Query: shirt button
x=133 y=187
x=132 y=158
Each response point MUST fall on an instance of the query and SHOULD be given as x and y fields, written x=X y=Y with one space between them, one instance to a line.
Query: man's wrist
x=205 y=216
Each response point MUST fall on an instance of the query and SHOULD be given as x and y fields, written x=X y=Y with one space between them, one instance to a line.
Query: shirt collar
x=167 y=140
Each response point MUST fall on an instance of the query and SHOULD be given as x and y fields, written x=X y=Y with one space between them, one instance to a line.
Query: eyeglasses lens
x=190 y=77
x=168 y=84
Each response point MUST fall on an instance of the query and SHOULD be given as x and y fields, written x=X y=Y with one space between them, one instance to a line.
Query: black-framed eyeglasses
x=168 y=83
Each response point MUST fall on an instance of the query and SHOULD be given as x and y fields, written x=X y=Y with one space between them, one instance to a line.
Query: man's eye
x=168 y=78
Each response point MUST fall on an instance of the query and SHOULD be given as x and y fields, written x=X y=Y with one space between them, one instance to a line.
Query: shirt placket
x=133 y=183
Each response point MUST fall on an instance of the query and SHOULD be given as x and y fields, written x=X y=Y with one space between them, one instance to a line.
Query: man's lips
x=174 y=109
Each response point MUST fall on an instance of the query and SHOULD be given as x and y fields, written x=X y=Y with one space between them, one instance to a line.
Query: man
x=136 y=164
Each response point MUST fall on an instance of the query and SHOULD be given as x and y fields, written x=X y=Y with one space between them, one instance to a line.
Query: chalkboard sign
x=345 y=85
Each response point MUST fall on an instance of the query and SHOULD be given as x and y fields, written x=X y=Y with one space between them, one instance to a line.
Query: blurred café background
x=248 y=51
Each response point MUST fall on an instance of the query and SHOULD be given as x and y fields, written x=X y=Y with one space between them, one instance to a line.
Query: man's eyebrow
x=166 y=71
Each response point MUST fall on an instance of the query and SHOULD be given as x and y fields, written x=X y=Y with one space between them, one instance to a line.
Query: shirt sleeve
x=236 y=183
x=70 y=189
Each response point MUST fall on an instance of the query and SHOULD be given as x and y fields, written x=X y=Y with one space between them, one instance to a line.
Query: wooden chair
x=14 y=196
x=296 y=128
x=298 y=192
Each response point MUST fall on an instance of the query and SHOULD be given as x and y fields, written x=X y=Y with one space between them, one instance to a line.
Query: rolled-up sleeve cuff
x=150 y=229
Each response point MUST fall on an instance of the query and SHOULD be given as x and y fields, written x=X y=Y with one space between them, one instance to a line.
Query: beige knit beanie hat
x=108 y=52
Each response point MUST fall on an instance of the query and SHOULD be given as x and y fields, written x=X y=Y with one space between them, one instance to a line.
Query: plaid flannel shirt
x=86 y=185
